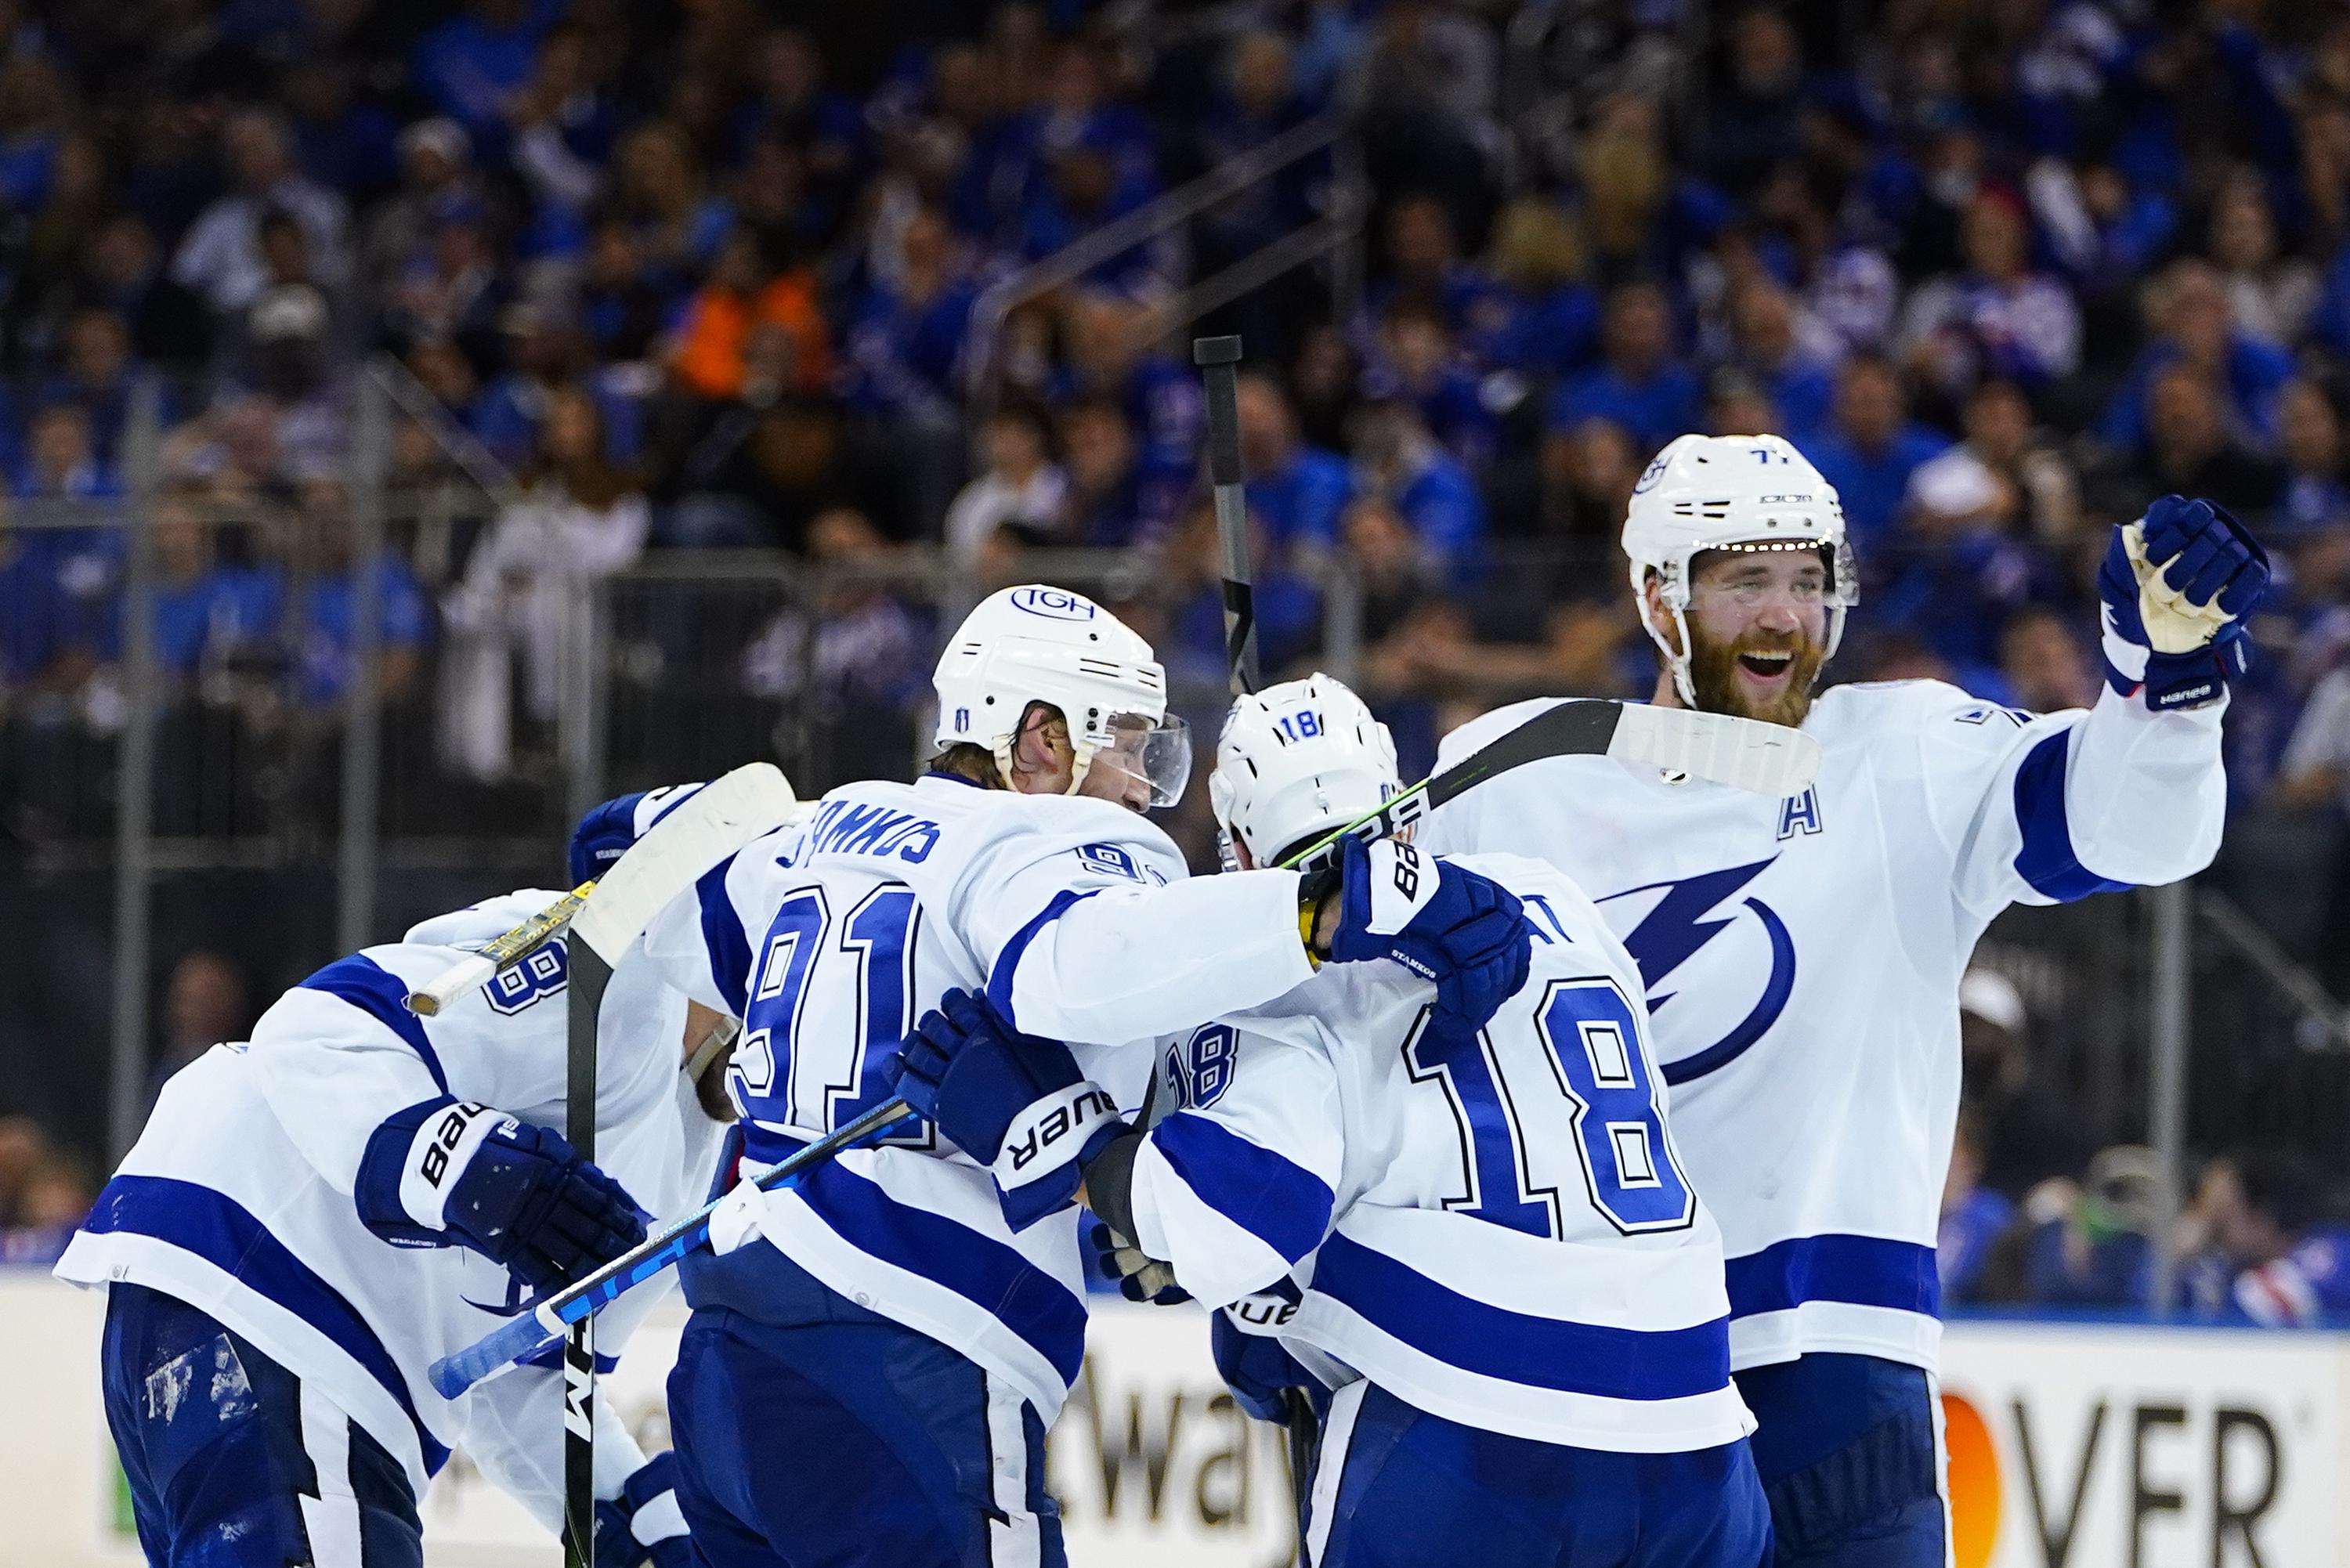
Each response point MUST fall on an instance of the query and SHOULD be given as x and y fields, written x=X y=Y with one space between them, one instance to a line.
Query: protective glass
x=1141 y=761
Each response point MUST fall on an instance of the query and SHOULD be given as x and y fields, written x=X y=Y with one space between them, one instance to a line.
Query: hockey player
x=311 y=1219
x=1801 y=957
x=875 y=1353
x=1504 y=1269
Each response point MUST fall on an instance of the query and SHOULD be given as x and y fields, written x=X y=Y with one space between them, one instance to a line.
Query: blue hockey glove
x=1140 y=1277
x=605 y=834
x=1016 y=1103
x=1447 y=924
x=2175 y=587
x=644 y=1524
x=445 y=1172
x=1251 y=1359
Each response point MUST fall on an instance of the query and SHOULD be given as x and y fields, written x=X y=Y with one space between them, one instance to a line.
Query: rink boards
x=2074 y=1445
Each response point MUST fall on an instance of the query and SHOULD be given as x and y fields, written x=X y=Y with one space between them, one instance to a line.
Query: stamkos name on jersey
x=851 y=827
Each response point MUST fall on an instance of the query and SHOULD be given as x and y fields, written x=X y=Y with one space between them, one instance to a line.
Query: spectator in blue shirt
x=1764 y=346
x=1418 y=362
x=1397 y=459
x=204 y=611
x=39 y=628
x=1423 y=256
x=470 y=66
x=2192 y=310
x=1637 y=384
x=1542 y=320
x=1297 y=491
x=904 y=343
x=1871 y=449
x=319 y=612
x=1107 y=338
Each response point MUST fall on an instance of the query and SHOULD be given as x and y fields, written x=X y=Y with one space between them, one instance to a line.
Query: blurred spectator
x=2043 y=494
x=1636 y=383
x=1288 y=609
x=2023 y=1134
x=522 y=609
x=1998 y=318
x=1397 y=459
x=2270 y=296
x=1870 y=449
x=204 y=611
x=1424 y=262
x=902 y=361
x=2091 y=1245
x=321 y=603
x=1022 y=489
x=2263 y=1244
x=1765 y=346
x=43 y=650
x=42 y=1195
x=2043 y=665
x=1588 y=476
x=1103 y=506
x=203 y=1004
x=285 y=341
x=121 y=269
x=2316 y=770
x=1974 y=1219
x=1110 y=355
x=436 y=177
x=2188 y=309
x=1960 y=572
x=1416 y=361
x=1295 y=489
x=221 y=259
x=871 y=651
x=1543 y=318
x=96 y=379
x=1428 y=82
x=2309 y=442
x=2188 y=451
x=472 y=66
x=746 y=293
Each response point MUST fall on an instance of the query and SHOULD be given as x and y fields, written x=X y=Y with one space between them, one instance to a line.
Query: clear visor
x=1140 y=762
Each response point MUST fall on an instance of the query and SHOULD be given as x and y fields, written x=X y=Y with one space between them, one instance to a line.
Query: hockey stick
x=755 y=794
x=1703 y=745
x=1218 y=359
x=583 y=1003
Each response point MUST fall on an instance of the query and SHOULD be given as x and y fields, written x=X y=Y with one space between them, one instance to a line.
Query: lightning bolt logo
x=1683 y=921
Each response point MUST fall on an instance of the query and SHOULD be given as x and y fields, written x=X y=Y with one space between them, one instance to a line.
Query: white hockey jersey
x=831 y=938
x=1801 y=957
x=1493 y=1227
x=237 y=1198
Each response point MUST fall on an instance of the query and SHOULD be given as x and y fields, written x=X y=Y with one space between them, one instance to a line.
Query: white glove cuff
x=1050 y=1132
x=1402 y=882
x=438 y=1155
x=659 y=1519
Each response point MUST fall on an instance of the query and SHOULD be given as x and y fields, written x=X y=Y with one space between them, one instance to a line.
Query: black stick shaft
x=583 y=1002
x=1218 y=362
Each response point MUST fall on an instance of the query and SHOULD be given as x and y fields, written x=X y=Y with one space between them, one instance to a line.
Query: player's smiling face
x=1758 y=631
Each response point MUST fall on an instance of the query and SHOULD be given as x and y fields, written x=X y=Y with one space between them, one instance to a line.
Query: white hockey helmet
x=1040 y=644
x=1295 y=761
x=1731 y=493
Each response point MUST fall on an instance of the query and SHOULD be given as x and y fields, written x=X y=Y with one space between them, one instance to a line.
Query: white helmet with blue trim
x=1295 y=761
x=1040 y=644
x=1731 y=493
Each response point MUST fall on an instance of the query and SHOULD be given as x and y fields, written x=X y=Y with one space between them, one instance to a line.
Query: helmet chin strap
x=1678 y=663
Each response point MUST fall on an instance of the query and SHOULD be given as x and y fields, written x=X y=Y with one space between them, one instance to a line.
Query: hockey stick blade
x=610 y=913
x=1746 y=753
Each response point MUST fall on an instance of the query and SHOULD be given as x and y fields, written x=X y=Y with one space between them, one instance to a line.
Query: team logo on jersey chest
x=1691 y=913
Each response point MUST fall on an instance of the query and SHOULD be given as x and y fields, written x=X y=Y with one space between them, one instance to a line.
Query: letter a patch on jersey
x=1799 y=814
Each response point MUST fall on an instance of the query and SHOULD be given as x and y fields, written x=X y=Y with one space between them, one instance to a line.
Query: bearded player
x=1802 y=956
